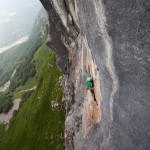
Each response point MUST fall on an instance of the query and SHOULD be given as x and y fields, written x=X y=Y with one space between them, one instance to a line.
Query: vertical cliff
x=112 y=39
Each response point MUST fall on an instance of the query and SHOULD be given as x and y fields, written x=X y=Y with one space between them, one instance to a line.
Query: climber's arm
x=90 y=88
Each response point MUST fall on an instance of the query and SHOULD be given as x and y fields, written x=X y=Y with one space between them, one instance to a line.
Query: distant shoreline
x=22 y=40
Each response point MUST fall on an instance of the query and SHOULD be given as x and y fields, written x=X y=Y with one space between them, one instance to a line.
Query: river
x=6 y=48
x=5 y=118
x=7 y=84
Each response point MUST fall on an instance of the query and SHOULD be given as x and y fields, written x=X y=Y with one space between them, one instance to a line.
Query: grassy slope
x=2 y=130
x=36 y=126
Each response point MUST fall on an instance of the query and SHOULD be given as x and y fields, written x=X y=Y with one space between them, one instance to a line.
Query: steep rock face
x=112 y=39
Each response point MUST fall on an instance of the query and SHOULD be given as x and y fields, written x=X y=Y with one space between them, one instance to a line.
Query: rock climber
x=90 y=85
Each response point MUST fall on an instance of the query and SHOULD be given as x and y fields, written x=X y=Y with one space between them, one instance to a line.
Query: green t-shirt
x=89 y=84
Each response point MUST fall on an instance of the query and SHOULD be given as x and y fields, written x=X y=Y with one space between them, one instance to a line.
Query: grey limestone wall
x=118 y=34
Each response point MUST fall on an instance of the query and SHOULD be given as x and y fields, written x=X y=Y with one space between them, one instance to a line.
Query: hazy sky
x=16 y=19
x=9 y=8
x=11 y=5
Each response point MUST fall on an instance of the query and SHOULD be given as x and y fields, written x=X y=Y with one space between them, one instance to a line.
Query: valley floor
x=39 y=124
